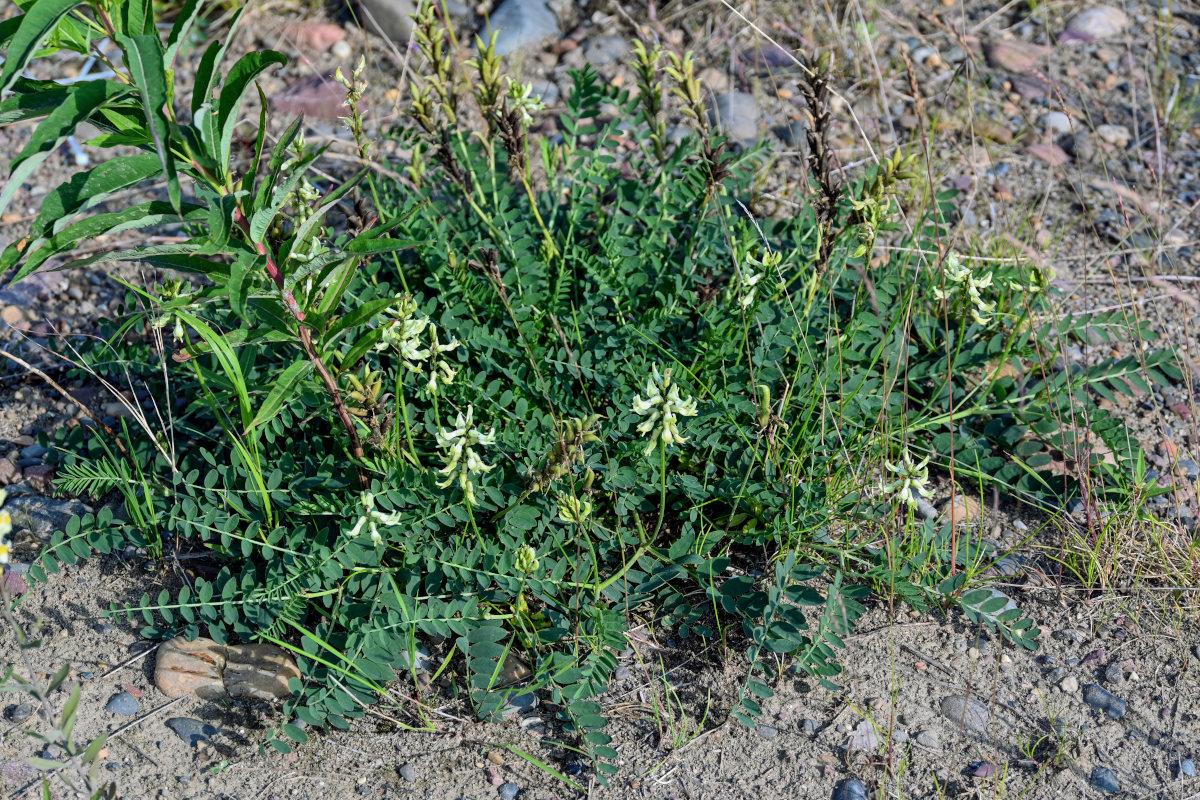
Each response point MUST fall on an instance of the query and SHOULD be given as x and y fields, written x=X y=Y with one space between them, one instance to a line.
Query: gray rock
x=1055 y=121
x=408 y=772
x=923 y=54
x=850 y=790
x=1187 y=769
x=391 y=19
x=508 y=791
x=34 y=451
x=421 y=660
x=18 y=712
x=736 y=115
x=899 y=736
x=1116 y=135
x=1101 y=699
x=954 y=55
x=192 y=731
x=519 y=703
x=604 y=50
x=1114 y=674
x=926 y=510
x=546 y=91
x=768 y=732
x=521 y=24
x=1096 y=23
x=1105 y=780
x=929 y=739
x=809 y=726
x=622 y=672
x=122 y=703
x=42 y=515
x=966 y=712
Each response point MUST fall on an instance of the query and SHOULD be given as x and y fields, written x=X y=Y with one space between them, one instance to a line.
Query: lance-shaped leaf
x=32 y=99
x=144 y=57
x=243 y=73
x=180 y=30
x=81 y=100
x=285 y=387
x=35 y=25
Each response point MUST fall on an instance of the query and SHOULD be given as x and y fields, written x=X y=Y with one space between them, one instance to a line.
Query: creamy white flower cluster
x=371 y=519
x=753 y=272
x=912 y=479
x=521 y=98
x=662 y=408
x=962 y=284
x=403 y=333
x=460 y=443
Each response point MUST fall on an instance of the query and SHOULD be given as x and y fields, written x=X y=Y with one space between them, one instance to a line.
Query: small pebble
x=809 y=726
x=1114 y=674
x=408 y=772
x=1187 y=769
x=508 y=791
x=122 y=703
x=622 y=673
x=1070 y=684
x=850 y=790
x=929 y=739
x=768 y=731
x=18 y=712
x=1105 y=780
x=1101 y=699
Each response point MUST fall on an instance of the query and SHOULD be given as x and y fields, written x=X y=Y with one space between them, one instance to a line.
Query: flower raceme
x=662 y=408
x=912 y=479
x=962 y=284
x=460 y=443
x=371 y=519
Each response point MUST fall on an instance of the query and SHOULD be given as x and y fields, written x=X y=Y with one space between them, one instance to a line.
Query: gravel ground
x=1046 y=122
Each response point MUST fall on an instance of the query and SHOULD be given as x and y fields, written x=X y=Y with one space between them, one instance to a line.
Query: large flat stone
x=259 y=672
x=194 y=668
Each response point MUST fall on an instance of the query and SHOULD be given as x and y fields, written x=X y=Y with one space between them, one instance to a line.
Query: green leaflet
x=35 y=25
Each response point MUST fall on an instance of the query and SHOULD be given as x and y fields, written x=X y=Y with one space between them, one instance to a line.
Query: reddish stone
x=1182 y=410
x=316 y=97
x=314 y=36
x=9 y=472
x=41 y=477
x=1052 y=154
x=14 y=585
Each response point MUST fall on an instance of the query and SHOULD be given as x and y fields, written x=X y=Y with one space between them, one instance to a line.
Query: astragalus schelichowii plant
x=432 y=421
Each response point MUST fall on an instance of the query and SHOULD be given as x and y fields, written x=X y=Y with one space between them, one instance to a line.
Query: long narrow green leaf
x=226 y=358
x=240 y=76
x=136 y=17
x=358 y=316
x=283 y=390
x=35 y=25
x=144 y=57
x=188 y=14
x=143 y=215
x=31 y=99
x=81 y=100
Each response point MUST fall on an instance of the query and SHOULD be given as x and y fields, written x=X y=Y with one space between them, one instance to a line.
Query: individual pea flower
x=662 y=408
x=460 y=442
x=753 y=271
x=371 y=519
x=573 y=509
x=912 y=480
x=521 y=98
x=440 y=369
x=6 y=527
x=526 y=562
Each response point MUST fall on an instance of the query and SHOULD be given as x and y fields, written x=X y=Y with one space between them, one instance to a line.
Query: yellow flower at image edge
x=5 y=529
x=460 y=442
x=662 y=408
